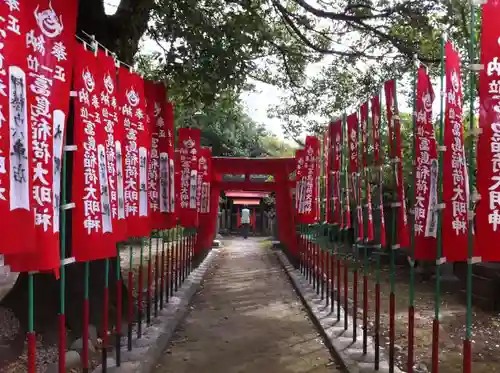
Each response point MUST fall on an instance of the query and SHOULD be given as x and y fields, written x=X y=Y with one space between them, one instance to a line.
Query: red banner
x=155 y=104
x=455 y=178
x=426 y=172
x=205 y=170
x=308 y=212
x=132 y=105
x=365 y=175
x=167 y=167
x=16 y=154
x=402 y=239
x=300 y=173
x=375 y=103
x=336 y=155
x=488 y=147
x=92 y=224
x=113 y=144
x=189 y=152
x=353 y=142
x=327 y=151
x=377 y=161
x=49 y=39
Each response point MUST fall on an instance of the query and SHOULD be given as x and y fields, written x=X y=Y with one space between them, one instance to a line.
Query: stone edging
x=338 y=340
x=149 y=348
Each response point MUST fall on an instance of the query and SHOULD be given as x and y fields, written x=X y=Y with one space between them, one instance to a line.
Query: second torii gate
x=279 y=168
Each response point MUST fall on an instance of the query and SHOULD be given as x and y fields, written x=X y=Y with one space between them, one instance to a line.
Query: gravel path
x=246 y=319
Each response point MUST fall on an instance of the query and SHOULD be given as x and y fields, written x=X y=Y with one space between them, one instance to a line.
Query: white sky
x=265 y=96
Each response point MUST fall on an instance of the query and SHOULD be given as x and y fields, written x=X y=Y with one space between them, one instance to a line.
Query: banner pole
x=411 y=304
x=381 y=234
x=85 y=333
x=31 y=337
x=365 y=171
x=346 y=227
x=149 y=279
x=164 y=235
x=173 y=248
x=118 y=335
x=159 y=236
x=357 y=231
x=105 y=317
x=62 y=279
x=439 y=259
x=140 y=281
x=176 y=257
x=467 y=344
x=130 y=298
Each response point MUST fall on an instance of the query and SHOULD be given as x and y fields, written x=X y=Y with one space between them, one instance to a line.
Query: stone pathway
x=246 y=319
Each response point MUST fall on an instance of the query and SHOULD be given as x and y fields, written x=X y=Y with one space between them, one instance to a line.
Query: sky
x=265 y=96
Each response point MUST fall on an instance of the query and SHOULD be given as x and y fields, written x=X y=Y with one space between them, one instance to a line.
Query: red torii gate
x=279 y=168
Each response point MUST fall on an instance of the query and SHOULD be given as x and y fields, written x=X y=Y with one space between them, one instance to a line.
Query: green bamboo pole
x=411 y=302
x=439 y=251
x=467 y=362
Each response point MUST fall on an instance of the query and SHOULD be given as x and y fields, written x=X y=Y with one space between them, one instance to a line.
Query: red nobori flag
x=455 y=178
x=155 y=100
x=205 y=169
x=131 y=102
x=106 y=68
x=189 y=151
x=300 y=172
x=377 y=161
x=402 y=239
x=308 y=208
x=167 y=167
x=375 y=103
x=92 y=223
x=364 y=157
x=488 y=148
x=426 y=172
x=328 y=174
x=49 y=42
x=336 y=156
x=15 y=150
x=353 y=141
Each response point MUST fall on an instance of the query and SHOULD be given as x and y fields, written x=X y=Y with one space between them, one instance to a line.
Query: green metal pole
x=140 y=282
x=118 y=307
x=365 y=171
x=467 y=360
x=392 y=296
x=437 y=292
x=411 y=303
x=62 y=280
x=31 y=337
x=348 y=219
x=130 y=297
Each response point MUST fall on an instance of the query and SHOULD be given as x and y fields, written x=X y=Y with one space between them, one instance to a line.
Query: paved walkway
x=246 y=319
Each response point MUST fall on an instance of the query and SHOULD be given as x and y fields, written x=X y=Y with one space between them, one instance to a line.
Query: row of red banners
x=127 y=179
x=455 y=179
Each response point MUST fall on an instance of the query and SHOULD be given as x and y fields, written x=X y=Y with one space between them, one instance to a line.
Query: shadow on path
x=246 y=318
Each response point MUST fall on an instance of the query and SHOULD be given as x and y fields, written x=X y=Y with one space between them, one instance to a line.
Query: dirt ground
x=245 y=319
x=485 y=331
